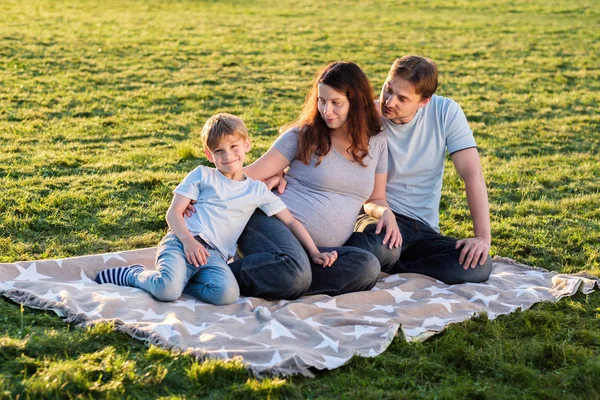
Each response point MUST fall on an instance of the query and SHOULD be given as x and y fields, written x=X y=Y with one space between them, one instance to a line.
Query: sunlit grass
x=100 y=110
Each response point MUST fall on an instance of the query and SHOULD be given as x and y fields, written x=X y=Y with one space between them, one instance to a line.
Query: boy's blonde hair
x=221 y=125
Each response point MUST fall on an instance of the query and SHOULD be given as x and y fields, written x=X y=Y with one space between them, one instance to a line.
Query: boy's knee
x=225 y=295
x=167 y=292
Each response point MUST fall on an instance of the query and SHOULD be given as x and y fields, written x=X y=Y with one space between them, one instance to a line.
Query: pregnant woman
x=337 y=159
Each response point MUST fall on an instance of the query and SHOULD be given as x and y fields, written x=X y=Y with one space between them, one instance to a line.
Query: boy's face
x=229 y=155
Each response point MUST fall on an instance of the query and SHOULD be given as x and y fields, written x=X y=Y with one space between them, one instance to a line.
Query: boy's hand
x=195 y=253
x=326 y=259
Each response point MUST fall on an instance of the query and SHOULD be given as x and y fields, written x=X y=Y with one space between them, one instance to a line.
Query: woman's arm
x=326 y=259
x=268 y=165
x=377 y=207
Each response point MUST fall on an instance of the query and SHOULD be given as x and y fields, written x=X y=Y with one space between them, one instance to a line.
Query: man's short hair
x=419 y=71
x=221 y=125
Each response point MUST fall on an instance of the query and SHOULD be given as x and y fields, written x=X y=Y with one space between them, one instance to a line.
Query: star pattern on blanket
x=400 y=296
x=447 y=303
x=30 y=274
x=331 y=305
x=485 y=299
x=328 y=342
x=278 y=330
x=360 y=330
x=314 y=331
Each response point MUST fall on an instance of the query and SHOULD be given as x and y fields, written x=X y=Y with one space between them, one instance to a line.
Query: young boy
x=191 y=258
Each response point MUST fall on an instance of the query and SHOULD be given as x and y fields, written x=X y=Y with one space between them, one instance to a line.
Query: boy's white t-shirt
x=224 y=206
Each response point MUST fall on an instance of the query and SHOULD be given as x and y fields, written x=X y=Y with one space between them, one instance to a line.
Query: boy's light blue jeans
x=211 y=283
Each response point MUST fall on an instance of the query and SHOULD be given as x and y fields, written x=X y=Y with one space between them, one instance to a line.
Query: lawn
x=100 y=109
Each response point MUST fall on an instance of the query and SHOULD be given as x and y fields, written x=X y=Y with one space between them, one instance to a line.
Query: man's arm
x=475 y=250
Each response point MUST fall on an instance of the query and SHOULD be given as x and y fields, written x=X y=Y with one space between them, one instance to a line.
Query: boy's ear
x=248 y=146
x=209 y=155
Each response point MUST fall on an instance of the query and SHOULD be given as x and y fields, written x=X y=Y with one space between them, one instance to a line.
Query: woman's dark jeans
x=424 y=251
x=274 y=264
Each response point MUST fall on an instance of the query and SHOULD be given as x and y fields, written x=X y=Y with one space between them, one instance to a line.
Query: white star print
x=278 y=330
x=327 y=342
x=7 y=285
x=222 y=352
x=149 y=314
x=114 y=295
x=225 y=317
x=77 y=285
x=360 y=330
x=194 y=329
x=312 y=322
x=244 y=300
x=486 y=299
x=50 y=295
x=373 y=319
x=165 y=328
x=59 y=262
x=400 y=296
x=413 y=332
x=95 y=313
x=387 y=309
x=372 y=353
x=501 y=275
x=116 y=256
x=276 y=359
x=393 y=278
x=84 y=278
x=443 y=301
x=224 y=334
x=438 y=290
x=30 y=274
x=331 y=305
x=190 y=304
x=522 y=289
x=333 y=362
x=436 y=321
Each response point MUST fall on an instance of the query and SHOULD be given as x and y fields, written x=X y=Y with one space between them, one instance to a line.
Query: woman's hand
x=326 y=259
x=387 y=221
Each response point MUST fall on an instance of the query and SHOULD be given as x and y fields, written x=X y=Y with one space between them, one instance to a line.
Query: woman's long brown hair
x=363 y=118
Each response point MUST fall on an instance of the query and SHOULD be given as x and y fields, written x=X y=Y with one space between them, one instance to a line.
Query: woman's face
x=333 y=106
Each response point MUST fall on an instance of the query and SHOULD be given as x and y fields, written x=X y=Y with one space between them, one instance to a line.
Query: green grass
x=100 y=109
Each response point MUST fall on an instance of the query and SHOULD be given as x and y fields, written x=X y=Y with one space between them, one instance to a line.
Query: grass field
x=100 y=105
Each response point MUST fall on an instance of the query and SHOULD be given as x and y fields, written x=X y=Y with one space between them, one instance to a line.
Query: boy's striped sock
x=119 y=276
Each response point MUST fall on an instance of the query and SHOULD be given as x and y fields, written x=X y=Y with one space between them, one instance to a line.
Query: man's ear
x=424 y=102
x=209 y=155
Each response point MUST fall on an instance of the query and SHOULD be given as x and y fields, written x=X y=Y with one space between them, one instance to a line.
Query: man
x=420 y=127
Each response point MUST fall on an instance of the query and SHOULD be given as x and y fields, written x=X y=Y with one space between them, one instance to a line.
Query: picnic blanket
x=280 y=337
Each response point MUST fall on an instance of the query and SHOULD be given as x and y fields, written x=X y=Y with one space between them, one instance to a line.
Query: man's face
x=398 y=101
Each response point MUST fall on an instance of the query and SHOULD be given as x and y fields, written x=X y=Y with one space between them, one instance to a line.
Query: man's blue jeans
x=274 y=264
x=424 y=251
x=211 y=283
